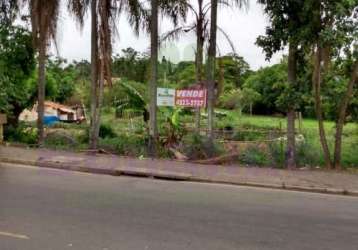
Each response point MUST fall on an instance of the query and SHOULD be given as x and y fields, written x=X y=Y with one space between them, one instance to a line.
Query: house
x=62 y=112
x=55 y=112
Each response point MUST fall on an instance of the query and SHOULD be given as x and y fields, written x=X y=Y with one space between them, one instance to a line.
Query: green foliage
x=236 y=70
x=239 y=99
x=60 y=80
x=106 y=131
x=171 y=127
x=232 y=99
x=183 y=74
x=131 y=65
x=21 y=134
x=16 y=65
x=255 y=156
x=127 y=97
x=270 y=82
x=128 y=145
x=198 y=147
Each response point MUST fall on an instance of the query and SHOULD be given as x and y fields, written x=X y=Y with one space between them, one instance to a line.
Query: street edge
x=174 y=176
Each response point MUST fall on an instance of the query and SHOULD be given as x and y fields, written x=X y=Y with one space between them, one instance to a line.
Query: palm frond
x=176 y=33
x=227 y=37
x=174 y=9
x=78 y=9
x=44 y=16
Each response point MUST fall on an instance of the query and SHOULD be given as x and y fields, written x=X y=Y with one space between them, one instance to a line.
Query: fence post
x=300 y=122
x=282 y=154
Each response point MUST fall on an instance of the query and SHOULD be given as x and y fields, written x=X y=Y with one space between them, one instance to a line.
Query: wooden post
x=282 y=153
x=300 y=122
x=3 y=120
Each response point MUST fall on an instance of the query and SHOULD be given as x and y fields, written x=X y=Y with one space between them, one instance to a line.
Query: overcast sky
x=242 y=26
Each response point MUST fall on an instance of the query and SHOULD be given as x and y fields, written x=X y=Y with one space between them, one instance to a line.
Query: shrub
x=198 y=147
x=255 y=156
x=60 y=140
x=106 y=131
x=247 y=135
x=307 y=154
x=129 y=145
x=21 y=133
x=277 y=152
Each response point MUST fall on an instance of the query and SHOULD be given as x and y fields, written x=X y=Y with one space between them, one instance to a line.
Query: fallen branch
x=219 y=159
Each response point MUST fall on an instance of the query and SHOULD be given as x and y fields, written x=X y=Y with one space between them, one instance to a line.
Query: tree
x=334 y=33
x=44 y=15
x=271 y=83
x=103 y=16
x=250 y=97
x=210 y=74
x=131 y=65
x=286 y=28
x=211 y=67
x=153 y=130
x=201 y=29
x=17 y=63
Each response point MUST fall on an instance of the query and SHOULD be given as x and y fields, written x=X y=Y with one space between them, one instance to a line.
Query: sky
x=243 y=26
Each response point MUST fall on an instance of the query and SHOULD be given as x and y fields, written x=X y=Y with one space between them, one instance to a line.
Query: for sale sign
x=165 y=97
x=195 y=98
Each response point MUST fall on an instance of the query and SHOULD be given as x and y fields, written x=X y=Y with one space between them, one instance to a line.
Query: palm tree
x=103 y=17
x=175 y=9
x=211 y=63
x=44 y=16
x=153 y=130
x=211 y=67
x=201 y=29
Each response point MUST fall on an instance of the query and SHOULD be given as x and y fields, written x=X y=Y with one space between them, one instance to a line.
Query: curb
x=168 y=175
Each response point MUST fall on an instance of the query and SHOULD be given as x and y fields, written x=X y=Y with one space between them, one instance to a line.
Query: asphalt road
x=53 y=209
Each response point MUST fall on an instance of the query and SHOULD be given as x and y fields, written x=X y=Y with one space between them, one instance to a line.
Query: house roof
x=59 y=106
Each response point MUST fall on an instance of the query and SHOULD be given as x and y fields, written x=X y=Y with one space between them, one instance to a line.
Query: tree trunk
x=41 y=91
x=211 y=68
x=292 y=78
x=318 y=106
x=99 y=99
x=342 y=115
x=153 y=131
x=94 y=78
x=199 y=57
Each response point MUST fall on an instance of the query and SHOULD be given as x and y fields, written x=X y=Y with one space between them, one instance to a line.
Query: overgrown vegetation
x=250 y=105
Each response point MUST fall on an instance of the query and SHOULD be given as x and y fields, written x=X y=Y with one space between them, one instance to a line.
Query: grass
x=309 y=129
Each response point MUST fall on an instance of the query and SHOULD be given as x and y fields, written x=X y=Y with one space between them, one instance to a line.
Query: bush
x=198 y=147
x=106 y=131
x=60 y=140
x=21 y=133
x=308 y=155
x=255 y=156
x=247 y=135
x=277 y=152
x=128 y=145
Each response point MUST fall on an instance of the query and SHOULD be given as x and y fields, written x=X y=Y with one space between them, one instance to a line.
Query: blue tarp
x=49 y=120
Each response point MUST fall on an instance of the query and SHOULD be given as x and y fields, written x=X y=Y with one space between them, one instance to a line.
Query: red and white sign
x=195 y=98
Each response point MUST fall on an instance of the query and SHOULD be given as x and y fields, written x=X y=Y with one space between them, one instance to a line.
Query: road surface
x=56 y=210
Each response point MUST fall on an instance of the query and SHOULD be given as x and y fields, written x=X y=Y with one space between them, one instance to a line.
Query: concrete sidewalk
x=301 y=180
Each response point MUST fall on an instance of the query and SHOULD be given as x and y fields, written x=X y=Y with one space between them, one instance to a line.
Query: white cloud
x=242 y=26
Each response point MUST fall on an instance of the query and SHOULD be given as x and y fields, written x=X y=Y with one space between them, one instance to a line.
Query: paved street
x=56 y=210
